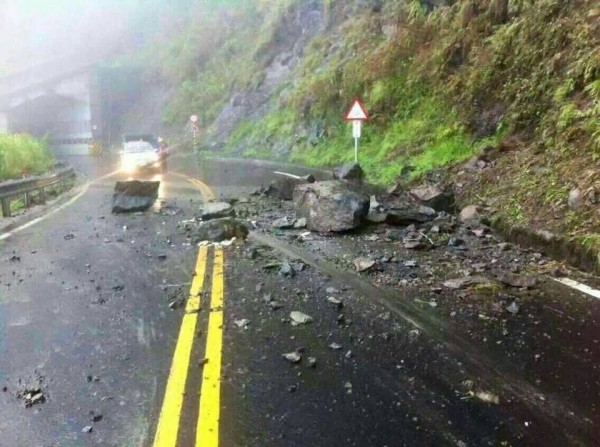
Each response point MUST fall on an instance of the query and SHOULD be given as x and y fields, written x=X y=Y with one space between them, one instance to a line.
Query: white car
x=139 y=155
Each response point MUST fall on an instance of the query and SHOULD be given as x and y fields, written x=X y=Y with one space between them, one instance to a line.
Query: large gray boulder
x=218 y=230
x=351 y=172
x=134 y=196
x=434 y=197
x=283 y=186
x=334 y=205
x=216 y=210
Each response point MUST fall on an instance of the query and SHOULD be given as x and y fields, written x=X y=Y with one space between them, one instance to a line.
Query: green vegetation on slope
x=218 y=54
x=441 y=85
x=21 y=153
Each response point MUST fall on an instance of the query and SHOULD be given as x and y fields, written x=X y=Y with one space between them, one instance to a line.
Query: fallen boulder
x=434 y=197
x=283 y=186
x=407 y=216
x=351 y=172
x=218 y=230
x=216 y=210
x=134 y=196
x=334 y=205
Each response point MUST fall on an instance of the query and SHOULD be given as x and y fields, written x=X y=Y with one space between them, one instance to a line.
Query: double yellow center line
x=207 y=432
x=206 y=190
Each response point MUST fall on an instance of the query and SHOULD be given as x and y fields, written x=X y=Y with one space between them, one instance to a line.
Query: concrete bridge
x=60 y=100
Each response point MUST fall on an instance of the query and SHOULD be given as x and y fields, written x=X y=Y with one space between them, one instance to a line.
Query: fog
x=33 y=32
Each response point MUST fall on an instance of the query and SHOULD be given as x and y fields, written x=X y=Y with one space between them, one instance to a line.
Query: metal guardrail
x=15 y=188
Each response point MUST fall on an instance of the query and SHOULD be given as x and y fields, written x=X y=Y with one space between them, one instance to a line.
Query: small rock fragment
x=513 y=308
x=286 y=269
x=300 y=318
x=300 y=223
x=95 y=417
x=470 y=214
x=514 y=280
x=455 y=242
x=242 y=323
x=575 y=199
x=202 y=362
x=363 y=264
x=466 y=282
x=293 y=357
x=479 y=232
x=284 y=223
x=275 y=305
x=335 y=301
x=335 y=346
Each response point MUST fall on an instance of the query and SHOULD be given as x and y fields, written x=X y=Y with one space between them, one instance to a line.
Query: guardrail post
x=6 y=207
x=43 y=195
x=27 y=200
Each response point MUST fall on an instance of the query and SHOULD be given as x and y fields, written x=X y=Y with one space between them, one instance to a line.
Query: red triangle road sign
x=357 y=112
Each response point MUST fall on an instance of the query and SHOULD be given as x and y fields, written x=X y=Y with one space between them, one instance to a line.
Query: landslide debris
x=134 y=196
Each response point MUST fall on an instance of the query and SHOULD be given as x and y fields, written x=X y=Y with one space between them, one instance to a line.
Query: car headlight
x=128 y=164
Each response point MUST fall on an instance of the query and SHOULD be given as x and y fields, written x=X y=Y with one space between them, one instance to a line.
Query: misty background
x=33 y=32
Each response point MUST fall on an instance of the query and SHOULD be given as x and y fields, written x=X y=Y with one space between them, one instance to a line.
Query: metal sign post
x=356 y=130
x=357 y=114
x=195 y=131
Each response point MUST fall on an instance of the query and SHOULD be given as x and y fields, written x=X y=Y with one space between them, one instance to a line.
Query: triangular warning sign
x=357 y=112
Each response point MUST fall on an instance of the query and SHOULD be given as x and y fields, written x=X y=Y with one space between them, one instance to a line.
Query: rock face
x=216 y=210
x=351 y=172
x=134 y=196
x=218 y=230
x=283 y=186
x=434 y=197
x=331 y=206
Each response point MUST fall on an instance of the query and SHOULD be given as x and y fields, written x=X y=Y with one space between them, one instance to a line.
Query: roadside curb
x=558 y=247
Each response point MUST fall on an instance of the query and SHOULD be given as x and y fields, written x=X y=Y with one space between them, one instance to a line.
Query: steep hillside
x=517 y=82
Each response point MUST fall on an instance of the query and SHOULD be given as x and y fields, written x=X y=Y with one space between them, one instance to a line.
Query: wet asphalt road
x=84 y=312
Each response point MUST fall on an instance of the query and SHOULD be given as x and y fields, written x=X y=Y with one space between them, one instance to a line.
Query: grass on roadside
x=22 y=153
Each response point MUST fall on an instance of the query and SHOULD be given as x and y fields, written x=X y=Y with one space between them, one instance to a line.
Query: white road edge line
x=70 y=202
x=579 y=286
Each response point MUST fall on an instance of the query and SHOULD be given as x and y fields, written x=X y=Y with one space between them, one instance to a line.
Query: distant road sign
x=357 y=112
x=194 y=118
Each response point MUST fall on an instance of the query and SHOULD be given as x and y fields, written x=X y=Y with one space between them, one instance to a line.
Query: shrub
x=22 y=153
